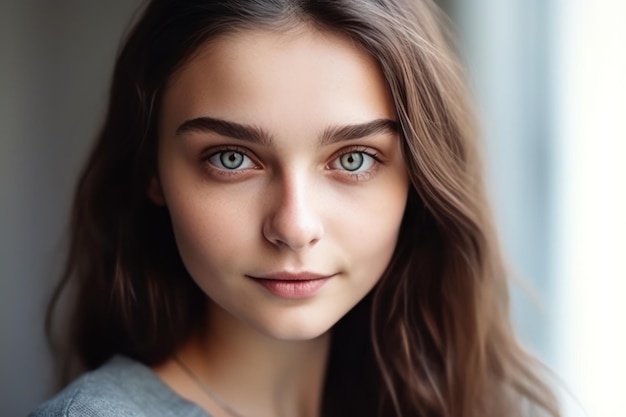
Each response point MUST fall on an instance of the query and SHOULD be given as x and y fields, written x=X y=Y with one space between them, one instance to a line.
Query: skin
x=243 y=209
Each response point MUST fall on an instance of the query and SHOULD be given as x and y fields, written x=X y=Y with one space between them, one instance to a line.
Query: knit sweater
x=121 y=387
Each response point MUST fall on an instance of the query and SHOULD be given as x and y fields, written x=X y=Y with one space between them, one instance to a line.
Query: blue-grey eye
x=351 y=161
x=231 y=159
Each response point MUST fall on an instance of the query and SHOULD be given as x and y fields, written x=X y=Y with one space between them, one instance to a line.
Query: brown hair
x=432 y=339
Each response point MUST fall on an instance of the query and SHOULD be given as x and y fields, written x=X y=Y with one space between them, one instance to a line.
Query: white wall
x=590 y=203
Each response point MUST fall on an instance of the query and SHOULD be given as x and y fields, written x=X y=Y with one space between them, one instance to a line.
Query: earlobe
x=155 y=193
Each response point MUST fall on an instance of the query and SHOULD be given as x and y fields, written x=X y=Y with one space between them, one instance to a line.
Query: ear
x=155 y=193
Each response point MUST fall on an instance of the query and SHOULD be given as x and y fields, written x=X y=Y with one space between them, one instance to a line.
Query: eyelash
x=355 y=176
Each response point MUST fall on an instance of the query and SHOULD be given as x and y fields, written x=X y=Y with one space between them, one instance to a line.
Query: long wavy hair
x=432 y=339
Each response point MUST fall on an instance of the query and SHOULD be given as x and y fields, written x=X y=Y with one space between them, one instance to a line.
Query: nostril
x=293 y=238
x=285 y=230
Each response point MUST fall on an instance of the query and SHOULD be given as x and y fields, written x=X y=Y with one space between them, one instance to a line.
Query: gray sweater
x=121 y=387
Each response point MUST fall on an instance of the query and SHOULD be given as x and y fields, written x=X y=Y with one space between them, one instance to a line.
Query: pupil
x=232 y=160
x=352 y=161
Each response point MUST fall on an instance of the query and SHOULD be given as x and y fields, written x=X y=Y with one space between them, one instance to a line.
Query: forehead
x=297 y=77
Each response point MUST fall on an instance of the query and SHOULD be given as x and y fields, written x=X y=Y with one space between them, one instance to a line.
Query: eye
x=231 y=160
x=354 y=162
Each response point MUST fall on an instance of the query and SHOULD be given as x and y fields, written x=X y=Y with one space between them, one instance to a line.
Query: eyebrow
x=228 y=129
x=332 y=134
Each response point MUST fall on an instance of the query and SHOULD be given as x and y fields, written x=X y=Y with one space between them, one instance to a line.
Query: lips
x=292 y=286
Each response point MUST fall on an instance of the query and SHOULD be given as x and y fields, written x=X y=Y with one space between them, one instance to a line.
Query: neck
x=254 y=374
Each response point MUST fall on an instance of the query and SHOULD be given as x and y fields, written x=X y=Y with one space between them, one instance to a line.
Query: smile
x=292 y=286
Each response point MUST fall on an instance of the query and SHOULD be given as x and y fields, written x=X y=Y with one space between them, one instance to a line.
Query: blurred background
x=549 y=81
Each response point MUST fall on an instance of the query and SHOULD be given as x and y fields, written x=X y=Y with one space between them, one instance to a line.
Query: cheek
x=210 y=228
x=369 y=232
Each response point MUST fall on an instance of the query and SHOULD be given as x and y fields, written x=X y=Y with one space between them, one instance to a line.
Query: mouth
x=292 y=286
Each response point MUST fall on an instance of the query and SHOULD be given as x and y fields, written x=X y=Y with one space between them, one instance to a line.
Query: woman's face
x=281 y=168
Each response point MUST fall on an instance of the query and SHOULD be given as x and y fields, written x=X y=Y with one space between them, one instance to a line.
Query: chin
x=295 y=330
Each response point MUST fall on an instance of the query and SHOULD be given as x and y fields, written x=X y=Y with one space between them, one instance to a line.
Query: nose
x=292 y=221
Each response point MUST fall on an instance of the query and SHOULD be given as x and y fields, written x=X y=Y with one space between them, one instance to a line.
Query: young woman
x=284 y=216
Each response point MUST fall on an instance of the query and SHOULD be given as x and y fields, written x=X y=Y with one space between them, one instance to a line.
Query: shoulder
x=121 y=388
